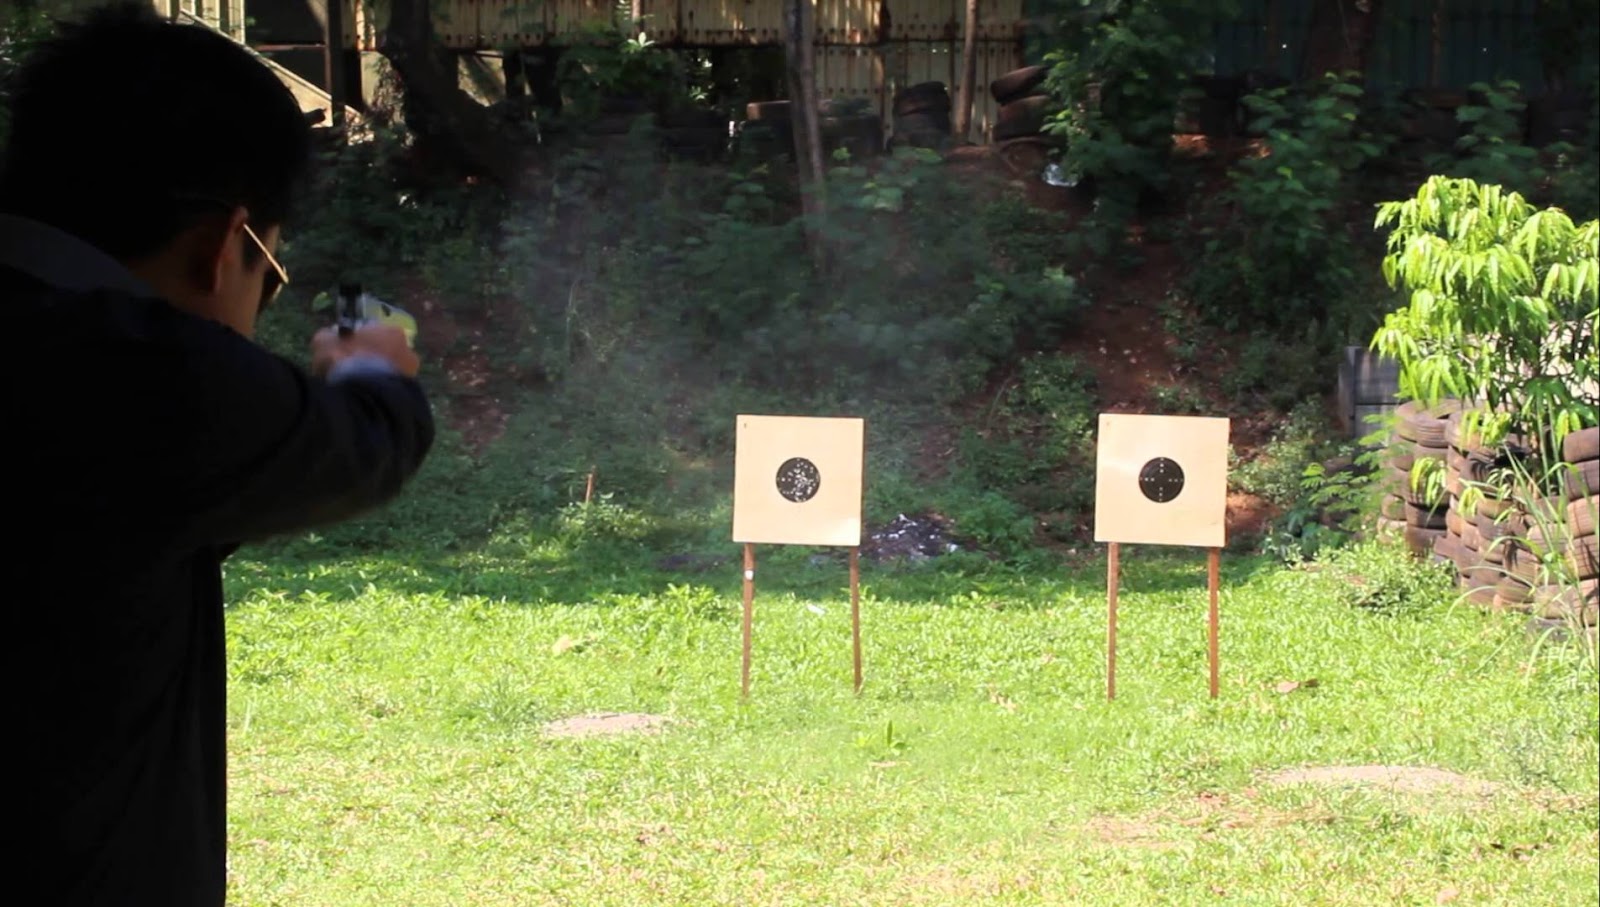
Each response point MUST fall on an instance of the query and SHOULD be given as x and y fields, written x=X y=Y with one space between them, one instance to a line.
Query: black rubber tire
x=1421 y=540
x=1511 y=593
x=917 y=123
x=1425 y=425
x=1454 y=522
x=1448 y=548
x=1018 y=83
x=1524 y=564
x=1584 y=555
x=1027 y=156
x=1492 y=508
x=1469 y=535
x=1405 y=456
x=1542 y=540
x=1583 y=479
x=844 y=107
x=1483 y=597
x=1581 y=516
x=1426 y=517
x=1480 y=575
x=1567 y=603
x=860 y=134
x=924 y=97
x=1581 y=445
x=1023 y=118
x=1392 y=507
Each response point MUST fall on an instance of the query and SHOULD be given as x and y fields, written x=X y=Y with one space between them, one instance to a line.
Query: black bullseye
x=798 y=480
x=1161 y=480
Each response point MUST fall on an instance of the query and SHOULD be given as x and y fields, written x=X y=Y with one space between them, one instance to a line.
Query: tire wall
x=1500 y=550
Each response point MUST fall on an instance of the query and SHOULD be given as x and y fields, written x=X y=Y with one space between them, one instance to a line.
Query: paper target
x=1162 y=480
x=797 y=480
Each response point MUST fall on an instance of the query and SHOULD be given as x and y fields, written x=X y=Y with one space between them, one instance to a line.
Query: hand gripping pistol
x=357 y=308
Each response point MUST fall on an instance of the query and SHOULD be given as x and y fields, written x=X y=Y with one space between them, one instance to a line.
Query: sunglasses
x=276 y=277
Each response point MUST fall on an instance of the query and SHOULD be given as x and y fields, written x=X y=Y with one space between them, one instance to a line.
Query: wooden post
x=588 y=487
x=334 y=63
x=749 y=599
x=1213 y=581
x=855 y=611
x=1113 y=555
x=799 y=35
x=969 y=73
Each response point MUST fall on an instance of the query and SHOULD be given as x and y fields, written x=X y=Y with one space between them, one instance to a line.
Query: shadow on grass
x=600 y=574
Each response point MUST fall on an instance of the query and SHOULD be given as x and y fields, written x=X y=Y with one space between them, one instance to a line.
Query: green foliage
x=1491 y=150
x=1385 y=579
x=1039 y=437
x=20 y=27
x=1119 y=72
x=1277 y=471
x=1503 y=308
x=602 y=62
x=1276 y=256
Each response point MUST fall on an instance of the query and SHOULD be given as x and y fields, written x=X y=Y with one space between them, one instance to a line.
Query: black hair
x=127 y=129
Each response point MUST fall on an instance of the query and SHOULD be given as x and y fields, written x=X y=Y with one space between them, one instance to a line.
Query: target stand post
x=798 y=481
x=1162 y=480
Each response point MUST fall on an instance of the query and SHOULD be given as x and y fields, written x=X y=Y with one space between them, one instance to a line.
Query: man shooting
x=149 y=171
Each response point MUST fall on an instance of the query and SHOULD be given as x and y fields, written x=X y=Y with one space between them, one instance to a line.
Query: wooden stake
x=969 y=74
x=1113 y=556
x=855 y=610
x=1213 y=581
x=749 y=599
x=588 y=487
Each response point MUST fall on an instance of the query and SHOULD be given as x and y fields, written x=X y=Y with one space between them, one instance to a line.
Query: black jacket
x=142 y=445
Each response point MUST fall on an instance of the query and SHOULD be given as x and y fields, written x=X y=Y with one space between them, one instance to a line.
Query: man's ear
x=213 y=247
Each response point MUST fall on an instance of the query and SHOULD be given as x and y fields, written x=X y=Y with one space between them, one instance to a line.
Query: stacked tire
x=1467 y=463
x=1025 y=106
x=1574 y=528
x=849 y=123
x=922 y=116
x=1422 y=435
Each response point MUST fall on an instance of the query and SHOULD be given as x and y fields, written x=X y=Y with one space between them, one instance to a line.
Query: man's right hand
x=385 y=341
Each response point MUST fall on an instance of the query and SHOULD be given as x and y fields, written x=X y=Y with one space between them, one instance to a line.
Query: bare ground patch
x=601 y=724
x=1402 y=779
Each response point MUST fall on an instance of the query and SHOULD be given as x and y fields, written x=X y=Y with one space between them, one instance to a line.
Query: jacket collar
x=62 y=260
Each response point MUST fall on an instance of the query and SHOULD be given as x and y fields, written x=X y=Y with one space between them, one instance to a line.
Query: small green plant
x=1385 y=579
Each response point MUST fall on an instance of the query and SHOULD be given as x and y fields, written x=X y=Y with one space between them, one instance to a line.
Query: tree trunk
x=969 y=74
x=1339 y=37
x=450 y=127
x=799 y=54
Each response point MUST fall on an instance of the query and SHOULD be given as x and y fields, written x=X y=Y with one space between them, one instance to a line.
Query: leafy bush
x=1504 y=308
x=1491 y=150
x=1277 y=471
x=1276 y=256
x=1119 y=72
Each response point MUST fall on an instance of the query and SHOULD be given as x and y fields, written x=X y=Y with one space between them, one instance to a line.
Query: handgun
x=356 y=308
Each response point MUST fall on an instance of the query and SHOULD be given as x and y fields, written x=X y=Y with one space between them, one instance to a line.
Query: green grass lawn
x=387 y=748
